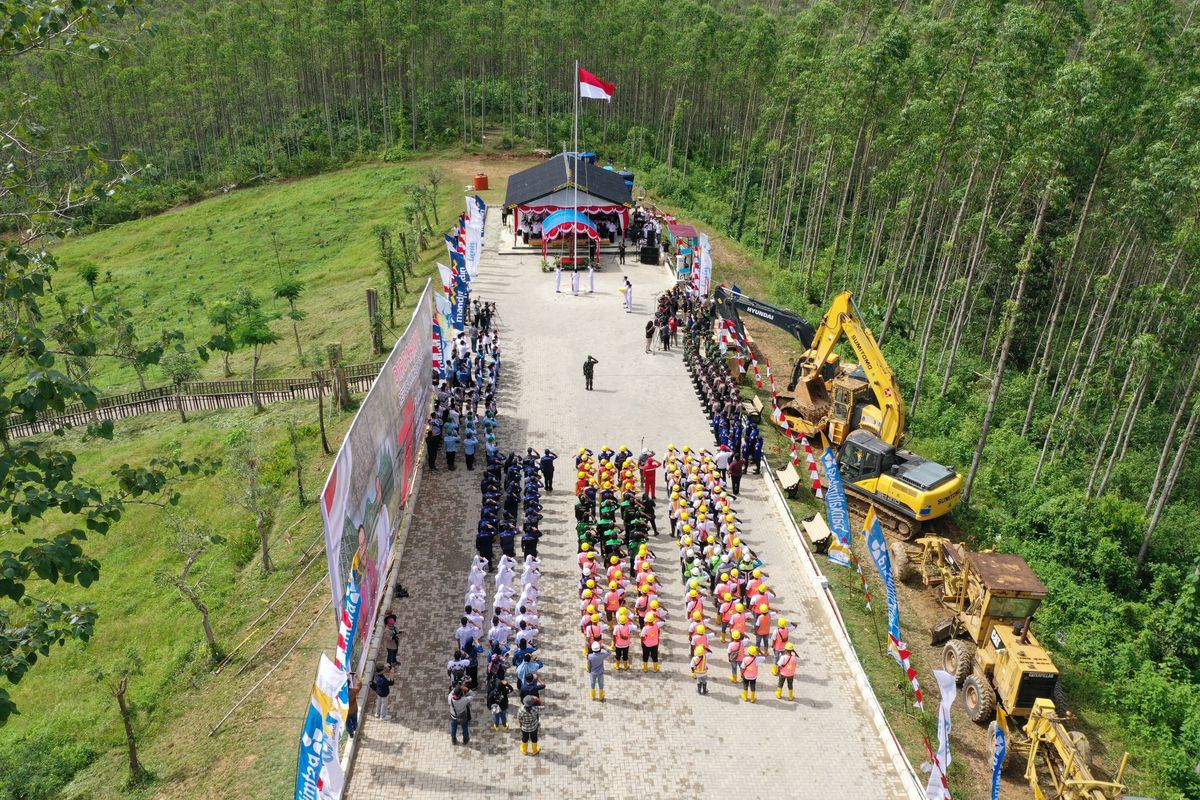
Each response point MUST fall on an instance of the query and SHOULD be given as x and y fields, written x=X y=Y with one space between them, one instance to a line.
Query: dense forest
x=1011 y=188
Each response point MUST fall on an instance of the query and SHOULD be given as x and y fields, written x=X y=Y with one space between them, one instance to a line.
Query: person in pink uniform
x=622 y=636
x=750 y=663
x=651 y=633
x=735 y=651
x=785 y=668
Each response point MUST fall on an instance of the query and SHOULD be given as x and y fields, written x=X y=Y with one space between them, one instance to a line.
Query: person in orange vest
x=613 y=600
x=700 y=637
x=594 y=632
x=726 y=613
x=622 y=635
x=737 y=620
x=700 y=669
x=785 y=668
x=650 y=634
x=762 y=626
x=650 y=475
x=779 y=639
x=750 y=662
x=735 y=651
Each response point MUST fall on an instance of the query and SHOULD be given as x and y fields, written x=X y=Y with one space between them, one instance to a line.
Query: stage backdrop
x=373 y=474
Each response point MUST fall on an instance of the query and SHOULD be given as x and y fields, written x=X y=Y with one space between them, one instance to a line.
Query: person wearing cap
x=650 y=634
x=699 y=666
x=589 y=372
x=595 y=665
x=530 y=721
x=749 y=665
x=785 y=668
x=735 y=651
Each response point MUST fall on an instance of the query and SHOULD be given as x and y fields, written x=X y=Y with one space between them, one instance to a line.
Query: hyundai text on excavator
x=859 y=407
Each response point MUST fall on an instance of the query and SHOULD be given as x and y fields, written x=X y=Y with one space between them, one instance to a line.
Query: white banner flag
x=936 y=788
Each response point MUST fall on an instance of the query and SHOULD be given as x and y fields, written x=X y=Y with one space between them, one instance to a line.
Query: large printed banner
x=319 y=773
x=837 y=509
x=706 y=264
x=373 y=474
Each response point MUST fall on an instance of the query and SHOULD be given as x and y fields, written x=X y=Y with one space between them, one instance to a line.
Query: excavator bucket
x=811 y=392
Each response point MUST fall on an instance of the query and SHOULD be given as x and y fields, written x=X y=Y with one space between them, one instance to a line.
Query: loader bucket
x=941 y=631
x=811 y=392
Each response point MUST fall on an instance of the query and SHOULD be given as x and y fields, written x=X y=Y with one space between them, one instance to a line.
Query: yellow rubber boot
x=656 y=666
x=524 y=748
x=645 y=667
x=733 y=678
x=536 y=749
x=754 y=697
x=744 y=698
x=791 y=695
x=602 y=695
x=779 y=694
x=593 y=694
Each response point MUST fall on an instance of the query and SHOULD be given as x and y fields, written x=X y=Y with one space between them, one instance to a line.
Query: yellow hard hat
x=585 y=547
x=757 y=573
x=587 y=593
x=733 y=572
x=752 y=650
x=612 y=584
x=700 y=629
x=737 y=635
x=727 y=597
x=650 y=618
x=789 y=647
x=783 y=623
x=591 y=609
x=591 y=584
x=618 y=575
x=739 y=608
x=724 y=576
x=699 y=650
x=614 y=560
x=654 y=604
x=764 y=608
x=642 y=550
x=696 y=615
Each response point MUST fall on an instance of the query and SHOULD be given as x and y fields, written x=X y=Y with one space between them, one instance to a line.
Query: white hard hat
x=595 y=647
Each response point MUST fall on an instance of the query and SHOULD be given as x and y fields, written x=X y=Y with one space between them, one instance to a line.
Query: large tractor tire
x=1082 y=746
x=1060 y=699
x=958 y=658
x=901 y=565
x=979 y=698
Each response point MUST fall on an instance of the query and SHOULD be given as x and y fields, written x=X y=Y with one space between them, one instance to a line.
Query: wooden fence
x=195 y=396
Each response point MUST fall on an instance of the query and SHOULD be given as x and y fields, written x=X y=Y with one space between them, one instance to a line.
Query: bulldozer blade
x=941 y=631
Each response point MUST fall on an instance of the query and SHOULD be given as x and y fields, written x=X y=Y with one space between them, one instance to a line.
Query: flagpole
x=575 y=180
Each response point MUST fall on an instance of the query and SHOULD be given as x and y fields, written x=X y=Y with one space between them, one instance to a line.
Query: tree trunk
x=1166 y=451
x=136 y=771
x=1172 y=476
x=1010 y=327
x=254 y=378
x=225 y=359
x=179 y=405
x=321 y=418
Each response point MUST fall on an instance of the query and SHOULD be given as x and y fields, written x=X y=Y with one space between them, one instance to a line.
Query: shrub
x=38 y=765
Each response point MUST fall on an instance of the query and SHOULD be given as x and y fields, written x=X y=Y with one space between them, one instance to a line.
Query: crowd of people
x=738 y=439
x=467 y=383
x=725 y=581
x=618 y=587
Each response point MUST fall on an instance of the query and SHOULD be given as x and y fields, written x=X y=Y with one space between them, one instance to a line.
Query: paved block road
x=654 y=736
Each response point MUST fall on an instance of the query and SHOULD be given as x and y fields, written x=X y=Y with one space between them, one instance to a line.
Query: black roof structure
x=557 y=173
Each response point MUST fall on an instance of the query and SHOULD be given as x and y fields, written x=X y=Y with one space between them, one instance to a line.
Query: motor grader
x=990 y=650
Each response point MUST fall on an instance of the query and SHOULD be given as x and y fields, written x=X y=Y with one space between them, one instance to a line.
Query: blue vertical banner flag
x=348 y=624
x=999 y=750
x=319 y=774
x=836 y=508
x=462 y=292
x=883 y=562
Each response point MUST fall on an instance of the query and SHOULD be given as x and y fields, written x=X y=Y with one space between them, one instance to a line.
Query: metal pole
x=575 y=179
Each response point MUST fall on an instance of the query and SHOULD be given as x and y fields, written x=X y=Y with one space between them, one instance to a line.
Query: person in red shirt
x=650 y=475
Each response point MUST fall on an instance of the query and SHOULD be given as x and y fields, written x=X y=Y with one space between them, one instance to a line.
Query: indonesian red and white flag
x=593 y=88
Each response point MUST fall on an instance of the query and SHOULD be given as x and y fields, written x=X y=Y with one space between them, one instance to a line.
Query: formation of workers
x=512 y=638
x=733 y=432
x=618 y=587
x=466 y=382
x=725 y=582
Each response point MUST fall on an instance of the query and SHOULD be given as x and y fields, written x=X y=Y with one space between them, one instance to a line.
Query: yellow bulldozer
x=990 y=650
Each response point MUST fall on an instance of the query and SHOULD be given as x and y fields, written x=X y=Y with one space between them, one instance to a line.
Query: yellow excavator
x=859 y=407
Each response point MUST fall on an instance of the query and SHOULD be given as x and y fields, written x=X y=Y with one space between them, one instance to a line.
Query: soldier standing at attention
x=589 y=368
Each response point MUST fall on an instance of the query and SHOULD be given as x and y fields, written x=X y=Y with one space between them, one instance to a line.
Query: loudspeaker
x=649 y=254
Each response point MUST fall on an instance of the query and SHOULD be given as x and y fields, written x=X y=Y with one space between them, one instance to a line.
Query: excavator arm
x=731 y=303
x=843 y=320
